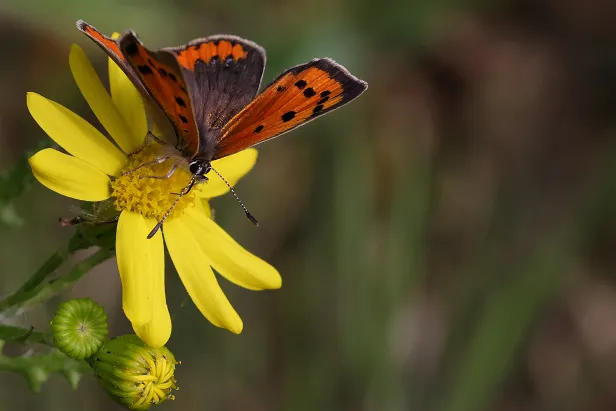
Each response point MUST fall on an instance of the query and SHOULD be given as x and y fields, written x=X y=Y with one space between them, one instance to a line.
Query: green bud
x=79 y=328
x=134 y=374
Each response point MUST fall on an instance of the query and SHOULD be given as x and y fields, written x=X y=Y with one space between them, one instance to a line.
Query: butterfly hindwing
x=294 y=98
x=160 y=74
x=223 y=74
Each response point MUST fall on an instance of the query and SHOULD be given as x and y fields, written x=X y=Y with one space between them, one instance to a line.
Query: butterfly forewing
x=296 y=97
x=111 y=47
x=160 y=74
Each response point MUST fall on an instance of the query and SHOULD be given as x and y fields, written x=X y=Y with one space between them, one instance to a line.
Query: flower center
x=151 y=181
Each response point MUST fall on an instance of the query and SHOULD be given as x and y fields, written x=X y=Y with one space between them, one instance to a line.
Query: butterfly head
x=199 y=168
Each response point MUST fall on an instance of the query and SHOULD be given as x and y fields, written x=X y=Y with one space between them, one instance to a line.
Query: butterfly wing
x=161 y=76
x=296 y=97
x=156 y=118
x=111 y=47
x=223 y=74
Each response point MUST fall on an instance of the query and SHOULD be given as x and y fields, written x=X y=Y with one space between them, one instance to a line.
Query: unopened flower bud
x=134 y=374
x=79 y=327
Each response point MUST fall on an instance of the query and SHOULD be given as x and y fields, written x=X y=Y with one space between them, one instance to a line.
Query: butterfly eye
x=199 y=168
x=195 y=167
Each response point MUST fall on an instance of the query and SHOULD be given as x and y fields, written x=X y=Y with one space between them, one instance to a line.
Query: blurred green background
x=447 y=241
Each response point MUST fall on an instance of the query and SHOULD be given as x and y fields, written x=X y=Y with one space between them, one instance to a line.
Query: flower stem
x=37 y=368
x=37 y=287
x=44 y=271
x=24 y=335
x=62 y=283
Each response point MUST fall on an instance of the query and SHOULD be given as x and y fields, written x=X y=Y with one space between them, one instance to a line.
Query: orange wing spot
x=238 y=52
x=186 y=57
x=224 y=49
x=111 y=44
x=205 y=51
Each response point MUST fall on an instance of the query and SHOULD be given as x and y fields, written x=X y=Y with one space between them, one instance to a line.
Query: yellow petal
x=128 y=101
x=75 y=135
x=193 y=266
x=232 y=168
x=229 y=258
x=205 y=205
x=141 y=264
x=157 y=331
x=70 y=176
x=99 y=100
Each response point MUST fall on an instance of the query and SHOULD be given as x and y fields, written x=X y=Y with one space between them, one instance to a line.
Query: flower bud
x=79 y=327
x=134 y=374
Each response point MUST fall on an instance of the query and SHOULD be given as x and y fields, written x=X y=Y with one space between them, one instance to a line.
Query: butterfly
x=207 y=89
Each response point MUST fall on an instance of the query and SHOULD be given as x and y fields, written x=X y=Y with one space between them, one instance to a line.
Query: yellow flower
x=95 y=170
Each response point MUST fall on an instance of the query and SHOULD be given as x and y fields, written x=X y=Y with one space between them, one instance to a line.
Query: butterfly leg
x=166 y=176
x=159 y=160
x=149 y=138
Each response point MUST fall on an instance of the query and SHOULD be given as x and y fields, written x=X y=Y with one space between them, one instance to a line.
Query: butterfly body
x=207 y=89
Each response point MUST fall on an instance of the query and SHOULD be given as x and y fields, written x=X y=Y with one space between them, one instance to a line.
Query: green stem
x=37 y=289
x=37 y=368
x=44 y=271
x=24 y=335
x=67 y=281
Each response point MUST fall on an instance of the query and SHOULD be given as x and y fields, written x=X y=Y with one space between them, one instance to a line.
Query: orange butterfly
x=207 y=90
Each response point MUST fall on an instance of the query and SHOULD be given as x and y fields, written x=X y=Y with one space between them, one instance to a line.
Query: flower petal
x=75 y=135
x=229 y=258
x=232 y=168
x=70 y=176
x=192 y=264
x=141 y=263
x=99 y=100
x=126 y=98
x=157 y=331
x=205 y=205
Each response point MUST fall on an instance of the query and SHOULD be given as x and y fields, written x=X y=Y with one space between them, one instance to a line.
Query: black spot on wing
x=145 y=70
x=131 y=49
x=326 y=93
x=323 y=100
x=183 y=119
x=317 y=109
x=289 y=115
x=300 y=84
x=280 y=88
x=309 y=92
x=180 y=101
x=173 y=77
x=162 y=72
x=259 y=128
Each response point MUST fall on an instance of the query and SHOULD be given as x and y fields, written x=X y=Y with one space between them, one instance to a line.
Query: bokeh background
x=447 y=242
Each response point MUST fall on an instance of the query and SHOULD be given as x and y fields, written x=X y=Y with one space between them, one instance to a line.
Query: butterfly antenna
x=182 y=193
x=248 y=215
